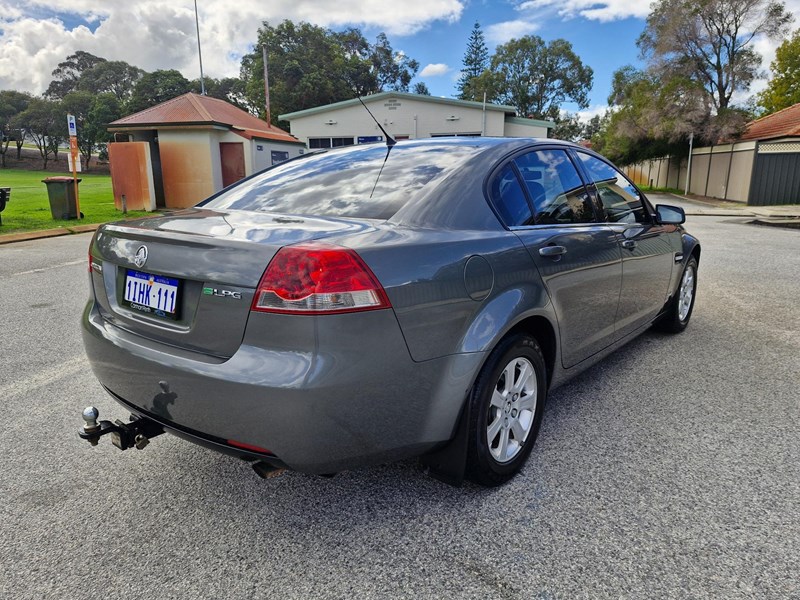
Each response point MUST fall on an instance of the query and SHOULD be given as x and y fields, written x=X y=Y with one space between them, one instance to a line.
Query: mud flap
x=448 y=463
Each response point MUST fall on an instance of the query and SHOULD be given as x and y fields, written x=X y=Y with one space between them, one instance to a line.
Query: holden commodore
x=376 y=303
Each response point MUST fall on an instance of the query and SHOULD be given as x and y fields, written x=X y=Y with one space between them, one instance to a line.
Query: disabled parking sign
x=73 y=130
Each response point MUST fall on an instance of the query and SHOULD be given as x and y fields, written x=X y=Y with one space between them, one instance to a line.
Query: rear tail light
x=94 y=264
x=318 y=279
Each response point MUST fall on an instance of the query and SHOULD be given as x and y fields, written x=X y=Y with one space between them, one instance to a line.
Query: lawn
x=29 y=208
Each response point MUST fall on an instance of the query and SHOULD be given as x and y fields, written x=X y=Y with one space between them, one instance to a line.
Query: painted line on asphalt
x=51 y=267
x=42 y=378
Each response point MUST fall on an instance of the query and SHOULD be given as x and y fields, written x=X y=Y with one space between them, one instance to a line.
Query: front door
x=232 y=159
x=647 y=251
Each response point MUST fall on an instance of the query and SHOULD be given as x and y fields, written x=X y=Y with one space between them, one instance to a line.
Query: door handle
x=629 y=244
x=552 y=251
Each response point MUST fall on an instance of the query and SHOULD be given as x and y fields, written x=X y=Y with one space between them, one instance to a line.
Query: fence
x=717 y=171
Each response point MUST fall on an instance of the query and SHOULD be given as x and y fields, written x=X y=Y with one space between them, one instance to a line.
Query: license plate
x=153 y=294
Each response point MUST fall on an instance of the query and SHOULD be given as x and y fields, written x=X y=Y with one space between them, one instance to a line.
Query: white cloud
x=499 y=33
x=584 y=116
x=434 y=70
x=594 y=10
x=153 y=34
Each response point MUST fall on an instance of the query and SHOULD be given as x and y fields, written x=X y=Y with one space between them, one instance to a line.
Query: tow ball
x=136 y=434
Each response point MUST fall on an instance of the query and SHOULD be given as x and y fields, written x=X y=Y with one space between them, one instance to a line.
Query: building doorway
x=232 y=159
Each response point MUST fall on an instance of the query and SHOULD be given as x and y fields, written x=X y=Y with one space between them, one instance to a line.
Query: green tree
x=305 y=69
x=105 y=109
x=537 y=77
x=568 y=127
x=391 y=70
x=593 y=126
x=475 y=62
x=68 y=73
x=783 y=89
x=12 y=103
x=650 y=117
x=230 y=89
x=110 y=76
x=156 y=87
x=710 y=42
x=44 y=121
x=311 y=66
x=421 y=89
x=92 y=114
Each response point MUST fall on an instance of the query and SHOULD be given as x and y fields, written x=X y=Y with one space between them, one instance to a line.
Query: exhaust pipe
x=266 y=470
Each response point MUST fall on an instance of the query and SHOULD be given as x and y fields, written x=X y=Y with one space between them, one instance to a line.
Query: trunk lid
x=217 y=258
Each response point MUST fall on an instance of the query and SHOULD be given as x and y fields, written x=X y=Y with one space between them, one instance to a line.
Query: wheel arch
x=691 y=247
x=448 y=463
x=540 y=328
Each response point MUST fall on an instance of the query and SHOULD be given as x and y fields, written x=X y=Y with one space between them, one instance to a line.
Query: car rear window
x=369 y=182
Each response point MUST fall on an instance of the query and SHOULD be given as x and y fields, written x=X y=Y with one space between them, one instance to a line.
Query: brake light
x=94 y=265
x=318 y=278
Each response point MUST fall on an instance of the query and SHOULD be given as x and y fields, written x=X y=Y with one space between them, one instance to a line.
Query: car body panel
x=329 y=392
x=646 y=272
x=583 y=284
x=295 y=397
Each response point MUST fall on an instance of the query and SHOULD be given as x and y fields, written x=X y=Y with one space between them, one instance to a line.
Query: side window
x=509 y=199
x=555 y=187
x=622 y=202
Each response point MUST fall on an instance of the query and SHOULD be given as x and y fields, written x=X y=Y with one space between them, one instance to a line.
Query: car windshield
x=370 y=182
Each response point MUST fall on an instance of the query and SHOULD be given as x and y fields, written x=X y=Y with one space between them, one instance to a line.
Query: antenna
x=390 y=141
x=199 y=53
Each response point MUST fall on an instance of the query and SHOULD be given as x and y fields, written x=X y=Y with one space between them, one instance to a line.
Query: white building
x=407 y=116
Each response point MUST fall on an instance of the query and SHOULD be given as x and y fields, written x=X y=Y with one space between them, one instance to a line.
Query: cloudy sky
x=153 y=34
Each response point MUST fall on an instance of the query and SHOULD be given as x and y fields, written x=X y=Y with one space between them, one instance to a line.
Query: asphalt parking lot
x=669 y=470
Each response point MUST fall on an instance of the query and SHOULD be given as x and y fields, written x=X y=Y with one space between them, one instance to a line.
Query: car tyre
x=679 y=310
x=506 y=407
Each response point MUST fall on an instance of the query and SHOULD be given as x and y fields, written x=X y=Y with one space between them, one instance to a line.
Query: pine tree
x=475 y=62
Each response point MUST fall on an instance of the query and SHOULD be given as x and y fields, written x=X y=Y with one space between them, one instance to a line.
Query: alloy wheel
x=511 y=410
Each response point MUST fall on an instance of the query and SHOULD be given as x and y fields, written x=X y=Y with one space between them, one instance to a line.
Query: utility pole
x=266 y=82
x=689 y=165
x=199 y=53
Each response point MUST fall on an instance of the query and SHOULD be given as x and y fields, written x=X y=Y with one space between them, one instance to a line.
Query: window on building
x=279 y=156
x=329 y=142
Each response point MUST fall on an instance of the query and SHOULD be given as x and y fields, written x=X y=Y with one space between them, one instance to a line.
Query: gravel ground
x=669 y=470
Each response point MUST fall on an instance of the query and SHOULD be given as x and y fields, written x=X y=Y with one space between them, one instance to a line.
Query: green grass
x=668 y=190
x=29 y=208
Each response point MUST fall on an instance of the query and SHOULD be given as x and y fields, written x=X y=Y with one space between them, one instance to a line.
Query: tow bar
x=136 y=434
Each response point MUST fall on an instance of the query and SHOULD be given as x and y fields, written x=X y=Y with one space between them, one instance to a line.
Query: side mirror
x=670 y=215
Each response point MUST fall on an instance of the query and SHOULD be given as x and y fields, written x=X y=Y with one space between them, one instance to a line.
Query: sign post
x=73 y=152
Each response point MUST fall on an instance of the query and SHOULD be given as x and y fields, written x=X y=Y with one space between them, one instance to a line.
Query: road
x=669 y=470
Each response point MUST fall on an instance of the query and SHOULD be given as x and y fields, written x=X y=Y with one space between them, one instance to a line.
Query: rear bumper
x=352 y=399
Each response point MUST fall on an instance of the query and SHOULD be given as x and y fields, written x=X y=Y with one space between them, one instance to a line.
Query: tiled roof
x=784 y=123
x=193 y=109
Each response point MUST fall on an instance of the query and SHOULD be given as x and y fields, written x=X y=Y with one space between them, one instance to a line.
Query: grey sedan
x=376 y=303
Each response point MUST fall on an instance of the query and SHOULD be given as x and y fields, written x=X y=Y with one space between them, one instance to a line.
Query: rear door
x=648 y=253
x=541 y=197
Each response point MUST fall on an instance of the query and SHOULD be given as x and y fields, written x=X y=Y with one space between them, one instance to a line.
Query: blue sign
x=370 y=139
